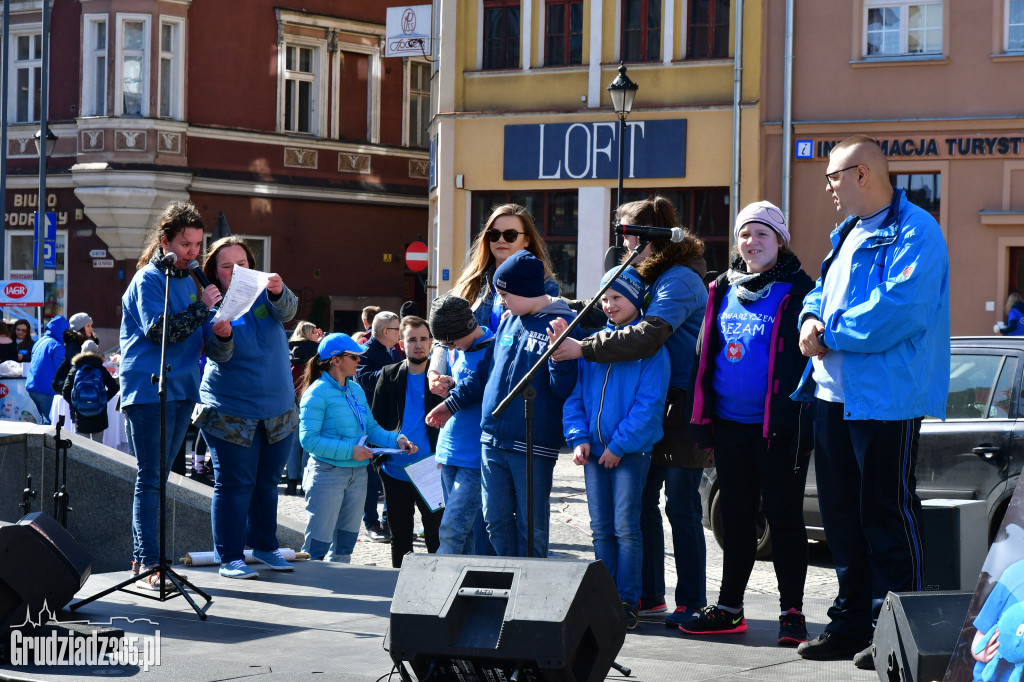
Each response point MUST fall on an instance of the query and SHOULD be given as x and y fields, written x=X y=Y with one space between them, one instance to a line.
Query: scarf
x=751 y=286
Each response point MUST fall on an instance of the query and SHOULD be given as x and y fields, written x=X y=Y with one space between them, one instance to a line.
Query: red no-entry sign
x=416 y=256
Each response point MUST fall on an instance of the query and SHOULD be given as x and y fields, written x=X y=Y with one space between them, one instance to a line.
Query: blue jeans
x=44 y=402
x=334 y=503
x=613 y=497
x=463 y=530
x=503 y=483
x=142 y=426
x=682 y=507
x=244 y=510
x=296 y=460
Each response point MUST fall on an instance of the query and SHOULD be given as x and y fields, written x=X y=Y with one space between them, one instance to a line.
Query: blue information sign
x=590 y=150
x=49 y=242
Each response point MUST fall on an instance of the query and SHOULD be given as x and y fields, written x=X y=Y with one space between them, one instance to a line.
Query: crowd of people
x=746 y=372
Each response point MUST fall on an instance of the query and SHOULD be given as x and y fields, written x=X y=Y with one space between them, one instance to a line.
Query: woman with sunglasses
x=508 y=230
x=334 y=422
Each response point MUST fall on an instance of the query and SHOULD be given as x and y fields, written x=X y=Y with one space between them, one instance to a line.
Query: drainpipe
x=787 y=114
x=737 y=82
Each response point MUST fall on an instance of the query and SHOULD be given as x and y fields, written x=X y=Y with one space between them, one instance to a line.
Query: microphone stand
x=61 y=501
x=528 y=393
x=163 y=567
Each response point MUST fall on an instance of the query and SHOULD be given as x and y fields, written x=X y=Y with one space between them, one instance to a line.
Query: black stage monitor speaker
x=465 y=618
x=916 y=634
x=40 y=563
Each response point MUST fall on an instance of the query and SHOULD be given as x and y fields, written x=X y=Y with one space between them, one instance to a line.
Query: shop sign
x=21 y=293
x=590 y=150
x=28 y=201
x=941 y=147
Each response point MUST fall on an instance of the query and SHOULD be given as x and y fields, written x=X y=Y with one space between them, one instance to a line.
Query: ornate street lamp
x=51 y=141
x=622 y=91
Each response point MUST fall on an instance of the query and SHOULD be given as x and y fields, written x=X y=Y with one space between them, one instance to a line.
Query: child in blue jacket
x=521 y=339
x=612 y=420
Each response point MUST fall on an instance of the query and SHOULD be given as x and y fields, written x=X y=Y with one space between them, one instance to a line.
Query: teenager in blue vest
x=248 y=416
x=521 y=339
x=454 y=327
x=179 y=231
x=612 y=421
x=748 y=363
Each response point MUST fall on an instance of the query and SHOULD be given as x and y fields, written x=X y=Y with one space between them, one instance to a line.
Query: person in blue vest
x=1014 y=317
x=401 y=401
x=47 y=356
x=248 y=415
x=454 y=327
x=876 y=331
x=176 y=239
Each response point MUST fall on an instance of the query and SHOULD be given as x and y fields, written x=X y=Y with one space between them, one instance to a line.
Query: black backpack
x=89 y=395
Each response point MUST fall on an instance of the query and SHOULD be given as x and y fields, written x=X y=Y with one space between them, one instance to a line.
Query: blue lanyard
x=354 y=405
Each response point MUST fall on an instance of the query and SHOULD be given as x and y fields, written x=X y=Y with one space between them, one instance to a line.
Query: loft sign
x=590 y=150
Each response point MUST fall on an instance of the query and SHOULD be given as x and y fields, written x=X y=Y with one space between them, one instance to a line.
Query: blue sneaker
x=680 y=616
x=273 y=559
x=237 y=569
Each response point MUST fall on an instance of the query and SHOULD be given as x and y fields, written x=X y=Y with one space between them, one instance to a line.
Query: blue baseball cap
x=336 y=344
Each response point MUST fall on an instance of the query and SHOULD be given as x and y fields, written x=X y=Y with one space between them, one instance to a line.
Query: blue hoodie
x=47 y=355
x=518 y=344
x=458 y=444
x=618 y=405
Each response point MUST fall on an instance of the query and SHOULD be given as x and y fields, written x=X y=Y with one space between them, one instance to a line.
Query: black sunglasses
x=510 y=236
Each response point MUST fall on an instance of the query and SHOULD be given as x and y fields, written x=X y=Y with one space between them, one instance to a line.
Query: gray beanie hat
x=79 y=320
x=451 y=318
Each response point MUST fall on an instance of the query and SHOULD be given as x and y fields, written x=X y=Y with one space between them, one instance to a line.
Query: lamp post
x=622 y=91
x=44 y=147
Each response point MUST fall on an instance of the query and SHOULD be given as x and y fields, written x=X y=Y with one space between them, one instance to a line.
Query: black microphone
x=193 y=267
x=169 y=259
x=673 y=234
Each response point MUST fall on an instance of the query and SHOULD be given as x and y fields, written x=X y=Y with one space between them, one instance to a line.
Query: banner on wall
x=21 y=293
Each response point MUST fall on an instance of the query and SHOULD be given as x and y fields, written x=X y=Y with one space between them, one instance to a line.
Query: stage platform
x=330 y=621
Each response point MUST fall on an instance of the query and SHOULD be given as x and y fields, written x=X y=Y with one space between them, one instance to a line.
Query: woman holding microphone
x=248 y=414
x=176 y=239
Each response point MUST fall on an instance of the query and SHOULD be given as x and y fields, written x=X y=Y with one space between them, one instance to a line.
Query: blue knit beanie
x=628 y=284
x=522 y=274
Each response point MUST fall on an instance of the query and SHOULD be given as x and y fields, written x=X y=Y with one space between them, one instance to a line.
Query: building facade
x=934 y=81
x=523 y=115
x=287 y=118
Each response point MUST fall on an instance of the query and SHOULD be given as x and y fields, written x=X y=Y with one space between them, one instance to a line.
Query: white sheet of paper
x=246 y=286
x=426 y=476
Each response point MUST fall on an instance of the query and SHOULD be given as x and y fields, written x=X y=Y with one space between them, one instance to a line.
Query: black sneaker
x=792 y=628
x=714 y=621
x=832 y=646
x=632 y=616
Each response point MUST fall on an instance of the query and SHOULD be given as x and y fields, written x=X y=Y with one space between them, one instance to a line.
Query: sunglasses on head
x=510 y=236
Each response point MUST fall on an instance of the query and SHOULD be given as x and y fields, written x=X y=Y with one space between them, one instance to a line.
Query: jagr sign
x=590 y=150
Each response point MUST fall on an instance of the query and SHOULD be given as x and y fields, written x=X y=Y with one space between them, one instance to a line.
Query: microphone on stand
x=169 y=259
x=672 y=234
x=197 y=272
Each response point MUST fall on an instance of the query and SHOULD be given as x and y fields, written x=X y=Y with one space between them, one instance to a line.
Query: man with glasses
x=876 y=330
x=381 y=350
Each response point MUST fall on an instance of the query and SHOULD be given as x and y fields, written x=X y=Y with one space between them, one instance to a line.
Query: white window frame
x=61 y=278
x=407 y=96
x=1006 y=27
x=176 y=56
x=91 y=78
x=318 y=111
x=373 y=78
x=121 y=53
x=903 y=6
x=12 y=52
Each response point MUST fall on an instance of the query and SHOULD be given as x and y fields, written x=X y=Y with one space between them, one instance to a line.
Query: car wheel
x=764 y=534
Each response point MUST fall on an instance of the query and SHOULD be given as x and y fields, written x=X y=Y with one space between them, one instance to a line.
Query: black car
x=976 y=454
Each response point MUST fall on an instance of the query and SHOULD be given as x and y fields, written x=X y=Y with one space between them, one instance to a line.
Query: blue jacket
x=678 y=296
x=459 y=442
x=618 y=405
x=328 y=429
x=895 y=331
x=47 y=355
x=518 y=344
